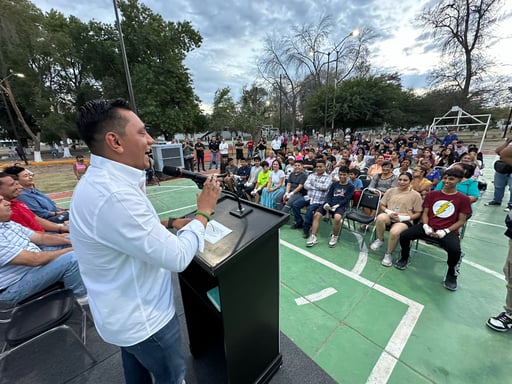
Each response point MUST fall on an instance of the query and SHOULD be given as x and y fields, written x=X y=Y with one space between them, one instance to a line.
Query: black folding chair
x=369 y=201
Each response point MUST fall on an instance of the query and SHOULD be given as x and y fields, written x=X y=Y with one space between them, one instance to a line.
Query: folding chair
x=42 y=315
x=6 y=309
x=441 y=170
x=370 y=200
x=365 y=179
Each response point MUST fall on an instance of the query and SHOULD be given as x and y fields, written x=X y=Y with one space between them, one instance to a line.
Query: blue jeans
x=159 y=355
x=308 y=217
x=214 y=156
x=64 y=268
x=500 y=182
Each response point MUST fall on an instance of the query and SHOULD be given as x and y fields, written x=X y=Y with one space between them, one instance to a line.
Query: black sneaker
x=500 y=323
x=297 y=226
x=402 y=264
x=492 y=202
x=305 y=234
x=450 y=282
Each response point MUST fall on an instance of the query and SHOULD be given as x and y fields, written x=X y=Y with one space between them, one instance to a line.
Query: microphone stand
x=239 y=211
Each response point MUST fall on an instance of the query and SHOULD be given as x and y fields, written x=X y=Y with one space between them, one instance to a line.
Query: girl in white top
x=274 y=191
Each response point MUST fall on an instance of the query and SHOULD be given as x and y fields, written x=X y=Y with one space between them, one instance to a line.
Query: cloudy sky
x=233 y=32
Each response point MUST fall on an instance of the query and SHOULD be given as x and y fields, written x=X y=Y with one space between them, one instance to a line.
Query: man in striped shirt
x=25 y=269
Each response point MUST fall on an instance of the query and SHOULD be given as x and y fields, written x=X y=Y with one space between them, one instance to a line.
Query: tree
x=224 y=111
x=370 y=101
x=156 y=51
x=462 y=29
x=296 y=64
x=254 y=109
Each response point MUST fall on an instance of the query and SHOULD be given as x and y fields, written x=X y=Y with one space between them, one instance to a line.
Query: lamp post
x=280 y=103
x=125 y=60
x=353 y=33
x=3 y=91
x=336 y=49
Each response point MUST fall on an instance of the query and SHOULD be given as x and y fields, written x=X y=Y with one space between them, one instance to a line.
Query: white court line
x=317 y=296
x=391 y=353
x=362 y=258
x=178 y=209
x=485 y=223
x=464 y=261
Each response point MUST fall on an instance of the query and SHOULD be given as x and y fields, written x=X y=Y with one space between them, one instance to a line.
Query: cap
x=291 y=158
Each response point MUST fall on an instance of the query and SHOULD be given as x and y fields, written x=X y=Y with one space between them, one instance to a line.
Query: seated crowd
x=35 y=250
x=426 y=192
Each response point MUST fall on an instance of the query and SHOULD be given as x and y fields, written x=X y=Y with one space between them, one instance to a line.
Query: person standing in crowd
x=213 y=146
x=275 y=144
x=223 y=148
x=250 y=148
x=126 y=254
x=188 y=155
x=199 y=148
x=79 y=168
x=502 y=180
x=239 y=150
x=444 y=213
x=503 y=321
x=262 y=148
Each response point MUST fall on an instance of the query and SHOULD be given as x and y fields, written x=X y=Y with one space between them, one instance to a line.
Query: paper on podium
x=215 y=231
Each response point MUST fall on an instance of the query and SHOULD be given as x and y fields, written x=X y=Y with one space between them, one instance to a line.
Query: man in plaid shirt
x=317 y=184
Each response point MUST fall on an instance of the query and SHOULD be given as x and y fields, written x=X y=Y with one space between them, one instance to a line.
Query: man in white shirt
x=126 y=255
x=224 y=148
x=276 y=144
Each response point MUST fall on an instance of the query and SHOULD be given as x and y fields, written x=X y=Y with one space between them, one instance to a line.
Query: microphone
x=179 y=172
x=200 y=180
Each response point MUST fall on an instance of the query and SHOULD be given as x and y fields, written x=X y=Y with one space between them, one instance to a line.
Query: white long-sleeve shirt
x=125 y=254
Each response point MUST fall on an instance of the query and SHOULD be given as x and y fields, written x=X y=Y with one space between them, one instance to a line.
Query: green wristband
x=204 y=214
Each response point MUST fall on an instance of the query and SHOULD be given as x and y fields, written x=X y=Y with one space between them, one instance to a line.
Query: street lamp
x=336 y=49
x=5 y=89
x=125 y=60
x=354 y=33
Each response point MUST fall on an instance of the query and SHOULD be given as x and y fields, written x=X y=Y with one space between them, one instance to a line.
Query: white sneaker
x=377 y=244
x=333 y=241
x=312 y=240
x=387 y=261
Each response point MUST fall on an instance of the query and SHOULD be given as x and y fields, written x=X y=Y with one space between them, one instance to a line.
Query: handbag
x=501 y=167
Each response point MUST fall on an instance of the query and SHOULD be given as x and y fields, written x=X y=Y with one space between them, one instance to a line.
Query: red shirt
x=443 y=209
x=24 y=216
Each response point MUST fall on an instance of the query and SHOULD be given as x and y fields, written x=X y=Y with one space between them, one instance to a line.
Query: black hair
x=355 y=171
x=343 y=170
x=264 y=163
x=455 y=172
x=469 y=169
x=3 y=175
x=13 y=170
x=406 y=174
x=96 y=117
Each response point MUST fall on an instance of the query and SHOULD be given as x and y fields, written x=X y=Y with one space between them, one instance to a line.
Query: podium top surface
x=245 y=231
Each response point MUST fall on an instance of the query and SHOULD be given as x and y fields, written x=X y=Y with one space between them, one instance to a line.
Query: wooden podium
x=239 y=274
